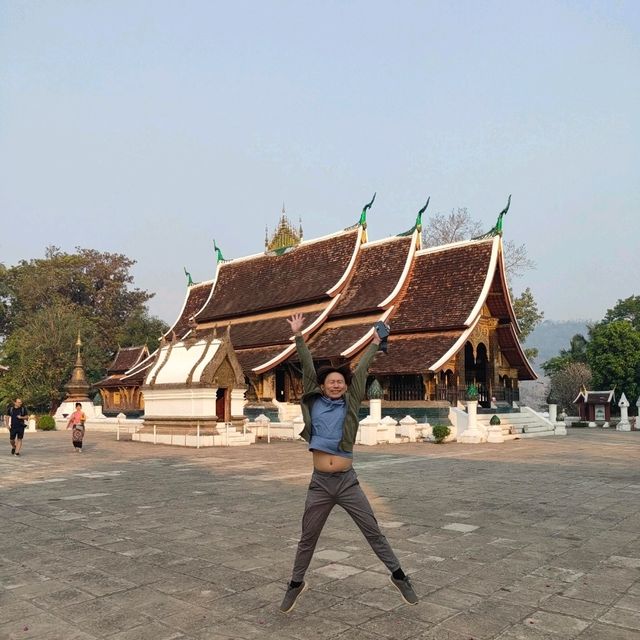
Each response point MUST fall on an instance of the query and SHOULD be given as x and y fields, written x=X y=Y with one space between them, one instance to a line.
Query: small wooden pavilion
x=595 y=406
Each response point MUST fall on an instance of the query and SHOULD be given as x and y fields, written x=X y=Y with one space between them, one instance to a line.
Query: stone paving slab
x=530 y=539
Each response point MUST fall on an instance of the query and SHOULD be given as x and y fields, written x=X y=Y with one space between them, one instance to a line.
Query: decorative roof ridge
x=453 y=245
x=394 y=238
x=413 y=247
x=253 y=256
x=361 y=237
x=486 y=287
x=584 y=393
x=195 y=285
x=497 y=228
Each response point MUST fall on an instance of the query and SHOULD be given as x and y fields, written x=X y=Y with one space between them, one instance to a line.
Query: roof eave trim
x=214 y=282
x=338 y=285
x=503 y=273
x=140 y=366
x=283 y=355
x=263 y=368
x=405 y=272
x=525 y=360
x=356 y=346
x=455 y=347
x=482 y=298
x=321 y=318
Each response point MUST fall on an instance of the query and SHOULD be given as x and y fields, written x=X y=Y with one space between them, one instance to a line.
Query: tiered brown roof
x=263 y=332
x=267 y=281
x=376 y=274
x=445 y=286
x=126 y=358
x=197 y=296
x=249 y=359
x=331 y=342
x=413 y=354
x=343 y=287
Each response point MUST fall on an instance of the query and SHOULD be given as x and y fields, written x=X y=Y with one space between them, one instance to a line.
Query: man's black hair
x=344 y=371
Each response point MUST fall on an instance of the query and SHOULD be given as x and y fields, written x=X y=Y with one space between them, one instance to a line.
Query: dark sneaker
x=291 y=597
x=13 y=451
x=405 y=589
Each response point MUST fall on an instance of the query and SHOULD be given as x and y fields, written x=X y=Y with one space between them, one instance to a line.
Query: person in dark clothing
x=330 y=405
x=17 y=421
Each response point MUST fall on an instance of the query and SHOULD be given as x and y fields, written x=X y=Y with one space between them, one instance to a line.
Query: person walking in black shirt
x=18 y=418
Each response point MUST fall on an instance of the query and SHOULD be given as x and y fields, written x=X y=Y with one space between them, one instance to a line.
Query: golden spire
x=284 y=236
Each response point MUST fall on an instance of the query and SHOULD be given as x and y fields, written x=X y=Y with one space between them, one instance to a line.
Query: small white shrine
x=194 y=394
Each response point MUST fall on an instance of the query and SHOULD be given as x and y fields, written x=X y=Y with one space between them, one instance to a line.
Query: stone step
x=511 y=418
x=538 y=434
x=537 y=428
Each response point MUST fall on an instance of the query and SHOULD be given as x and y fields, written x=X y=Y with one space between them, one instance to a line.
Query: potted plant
x=472 y=392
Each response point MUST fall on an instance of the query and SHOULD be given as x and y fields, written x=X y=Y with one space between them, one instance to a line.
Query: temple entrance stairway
x=522 y=424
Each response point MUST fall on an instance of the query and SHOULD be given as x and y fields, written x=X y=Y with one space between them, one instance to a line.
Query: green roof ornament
x=497 y=229
x=189 y=279
x=219 y=256
x=363 y=216
x=418 y=224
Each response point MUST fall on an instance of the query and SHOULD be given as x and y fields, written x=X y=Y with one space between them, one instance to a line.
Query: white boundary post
x=155 y=437
x=198 y=436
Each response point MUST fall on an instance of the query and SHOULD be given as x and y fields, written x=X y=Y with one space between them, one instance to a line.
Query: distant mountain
x=552 y=335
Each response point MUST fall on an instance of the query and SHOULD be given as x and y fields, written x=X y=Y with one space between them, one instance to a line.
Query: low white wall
x=109 y=425
x=459 y=420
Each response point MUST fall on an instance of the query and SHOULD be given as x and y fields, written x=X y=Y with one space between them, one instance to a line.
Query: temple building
x=451 y=317
x=118 y=397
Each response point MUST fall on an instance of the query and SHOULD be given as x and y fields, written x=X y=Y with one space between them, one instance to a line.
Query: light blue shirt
x=327 y=420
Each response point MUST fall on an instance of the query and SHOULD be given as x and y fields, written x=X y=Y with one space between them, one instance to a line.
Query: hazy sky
x=150 y=128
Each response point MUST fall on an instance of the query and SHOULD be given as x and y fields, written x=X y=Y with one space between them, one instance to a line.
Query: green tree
x=527 y=312
x=627 y=309
x=613 y=353
x=566 y=383
x=95 y=283
x=577 y=352
x=141 y=328
x=44 y=302
x=40 y=355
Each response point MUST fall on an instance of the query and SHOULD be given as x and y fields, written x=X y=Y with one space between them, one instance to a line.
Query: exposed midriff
x=329 y=463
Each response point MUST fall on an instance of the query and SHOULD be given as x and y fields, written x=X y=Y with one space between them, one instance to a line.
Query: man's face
x=334 y=386
x=18 y=403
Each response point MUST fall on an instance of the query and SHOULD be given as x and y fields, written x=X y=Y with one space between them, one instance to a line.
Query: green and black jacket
x=353 y=397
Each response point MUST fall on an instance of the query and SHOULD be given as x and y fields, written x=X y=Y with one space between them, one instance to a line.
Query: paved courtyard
x=525 y=540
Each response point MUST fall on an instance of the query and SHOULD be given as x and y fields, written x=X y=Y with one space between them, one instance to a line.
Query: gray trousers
x=325 y=491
